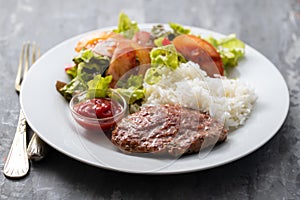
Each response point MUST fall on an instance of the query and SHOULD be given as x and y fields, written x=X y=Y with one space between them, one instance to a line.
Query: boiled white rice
x=228 y=100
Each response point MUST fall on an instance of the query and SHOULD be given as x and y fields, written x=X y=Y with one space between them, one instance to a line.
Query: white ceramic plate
x=48 y=114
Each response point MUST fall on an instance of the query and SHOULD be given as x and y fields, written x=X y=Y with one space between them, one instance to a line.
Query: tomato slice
x=200 y=51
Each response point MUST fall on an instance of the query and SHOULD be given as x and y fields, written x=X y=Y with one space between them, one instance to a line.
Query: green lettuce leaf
x=72 y=71
x=83 y=56
x=230 y=48
x=132 y=89
x=179 y=29
x=134 y=80
x=152 y=75
x=87 y=66
x=73 y=87
x=166 y=56
x=163 y=56
x=158 y=41
x=90 y=64
x=126 y=27
x=98 y=87
x=131 y=94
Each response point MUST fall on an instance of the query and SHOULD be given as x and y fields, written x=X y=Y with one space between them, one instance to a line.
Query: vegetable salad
x=105 y=58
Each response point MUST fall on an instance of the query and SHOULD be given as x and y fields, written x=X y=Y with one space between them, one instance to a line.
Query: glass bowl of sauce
x=98 y=113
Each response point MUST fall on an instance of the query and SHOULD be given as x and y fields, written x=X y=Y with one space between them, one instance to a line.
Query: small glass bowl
x=94 y=123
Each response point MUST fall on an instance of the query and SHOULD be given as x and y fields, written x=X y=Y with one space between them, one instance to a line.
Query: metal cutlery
x=17 y=163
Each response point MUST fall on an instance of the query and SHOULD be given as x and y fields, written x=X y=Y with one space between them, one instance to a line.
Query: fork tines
x=25 y=62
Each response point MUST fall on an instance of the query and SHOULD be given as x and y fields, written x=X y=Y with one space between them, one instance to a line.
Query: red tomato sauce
x=98 y=108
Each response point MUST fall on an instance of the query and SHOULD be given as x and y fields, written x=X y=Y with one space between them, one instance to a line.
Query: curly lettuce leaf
x=131 y=94
x=98 y=87
x=158 y=41
x=152 y=76
x=166 y=56
x=87 y=66
x=132 y=89
x=133 y=81
x=73 y=87
x=231 y=50
x=71 y=71
x=179 y=29
x=83 y=56
x=126 y=27
x=163 y=56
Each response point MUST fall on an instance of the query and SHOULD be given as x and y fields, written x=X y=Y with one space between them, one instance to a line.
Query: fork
x=17 y=164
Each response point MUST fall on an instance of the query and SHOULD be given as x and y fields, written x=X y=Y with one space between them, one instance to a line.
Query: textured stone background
x=270 y=26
